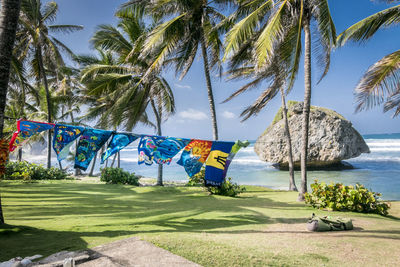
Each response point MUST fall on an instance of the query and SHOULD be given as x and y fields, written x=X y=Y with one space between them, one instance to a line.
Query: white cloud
x=228 y=115
x=183 y=86
x=193 y=114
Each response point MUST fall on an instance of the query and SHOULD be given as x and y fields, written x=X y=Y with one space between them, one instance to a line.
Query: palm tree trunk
x=19 y=156
x=93 y=164
x=209 y=87
x=119 y=160
x=9 y=15
x=292 y=183
x=112 y=164
x=306 y=106
x=46 y=87
x=159 y=133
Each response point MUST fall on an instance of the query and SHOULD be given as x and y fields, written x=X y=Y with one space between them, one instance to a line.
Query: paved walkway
x=127 y=252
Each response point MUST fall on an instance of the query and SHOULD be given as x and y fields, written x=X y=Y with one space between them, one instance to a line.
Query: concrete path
x=126 y=252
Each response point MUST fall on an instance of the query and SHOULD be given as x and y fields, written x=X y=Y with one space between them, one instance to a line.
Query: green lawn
x=262 y=227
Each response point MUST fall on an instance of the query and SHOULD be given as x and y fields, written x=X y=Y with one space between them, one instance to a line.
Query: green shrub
x=118 y=176
x=29 y=171
x=228 y=188
x=197 y=179
x=345 y=198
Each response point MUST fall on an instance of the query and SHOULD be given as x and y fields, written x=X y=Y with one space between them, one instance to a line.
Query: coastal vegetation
x=342 y=197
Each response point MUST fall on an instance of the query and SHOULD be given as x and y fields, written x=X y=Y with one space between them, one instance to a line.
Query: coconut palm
x=242 y=66
x=380 y=84
x=120 y=80
x=8 y=26
x=41 y=47
x=277 y=27
x=188 y=26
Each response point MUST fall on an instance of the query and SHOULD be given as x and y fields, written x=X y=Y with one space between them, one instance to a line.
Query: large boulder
x=332 y=139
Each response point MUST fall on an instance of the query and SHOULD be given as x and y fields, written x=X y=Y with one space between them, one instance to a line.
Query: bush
x=346 y=198
x=118 y=176
x=228 y=188
x=29 y=171
x=197 y=179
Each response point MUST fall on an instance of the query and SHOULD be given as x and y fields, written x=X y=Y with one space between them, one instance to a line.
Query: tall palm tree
x=277 y=28
x=189 y=25
x=43 y=48
x=380 y=84
x=242 y=66
x=9 y=14
x=118 y=79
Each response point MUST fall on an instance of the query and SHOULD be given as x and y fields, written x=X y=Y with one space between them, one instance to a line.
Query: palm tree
x=9 y=22
x=380 y=84
x=120 y=80
x=277 y=27
x=188 y=26
x=46 y=49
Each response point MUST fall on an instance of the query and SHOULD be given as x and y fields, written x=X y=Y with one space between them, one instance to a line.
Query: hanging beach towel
x=194 y=156
x=168 y=149
x=118 y=142
x=235 y=149
x=89 y=144
x=216 y=163
x=26 y=129
x=147 y=146
x=64 y=136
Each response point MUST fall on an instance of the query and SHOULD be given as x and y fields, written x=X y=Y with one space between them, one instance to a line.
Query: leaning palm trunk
x=292 y=183
x=48 y=100
x=8 y=26
x=209 y=87
x=306 y=106
x=94 y=164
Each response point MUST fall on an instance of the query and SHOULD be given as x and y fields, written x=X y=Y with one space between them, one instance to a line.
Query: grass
x=262 y=227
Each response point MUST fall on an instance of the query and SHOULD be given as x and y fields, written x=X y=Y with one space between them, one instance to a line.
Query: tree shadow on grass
x=27 y=241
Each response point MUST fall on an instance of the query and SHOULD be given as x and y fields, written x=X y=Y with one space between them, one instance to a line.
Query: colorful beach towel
x=89 y=144
x=194 y=156
x=216 y=163
x=168 y=149
x=118 y=142
x=147 y=146
x=235 y=149
x=26 y=129
x=64 y=136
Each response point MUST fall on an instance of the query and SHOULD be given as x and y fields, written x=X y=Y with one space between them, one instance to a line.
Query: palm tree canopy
x=380 y=84
x=266 y=43
x=115 y=80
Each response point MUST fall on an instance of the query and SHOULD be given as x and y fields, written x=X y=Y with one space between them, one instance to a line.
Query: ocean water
x=378 y=171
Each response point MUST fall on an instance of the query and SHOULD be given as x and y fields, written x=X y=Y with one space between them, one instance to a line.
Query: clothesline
x=216 y=155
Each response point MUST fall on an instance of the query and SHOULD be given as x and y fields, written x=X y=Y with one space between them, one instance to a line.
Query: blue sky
x=192 y=116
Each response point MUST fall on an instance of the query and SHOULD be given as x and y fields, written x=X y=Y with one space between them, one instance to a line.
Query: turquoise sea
x=378 y=171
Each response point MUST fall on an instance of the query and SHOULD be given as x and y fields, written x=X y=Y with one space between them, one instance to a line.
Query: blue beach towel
x=168 y=149
x=147 y=146
x=64 y=135
x=118 y=142
x=89 y=144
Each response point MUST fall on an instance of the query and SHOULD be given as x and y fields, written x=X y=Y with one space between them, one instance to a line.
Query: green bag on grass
x=327 y=223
